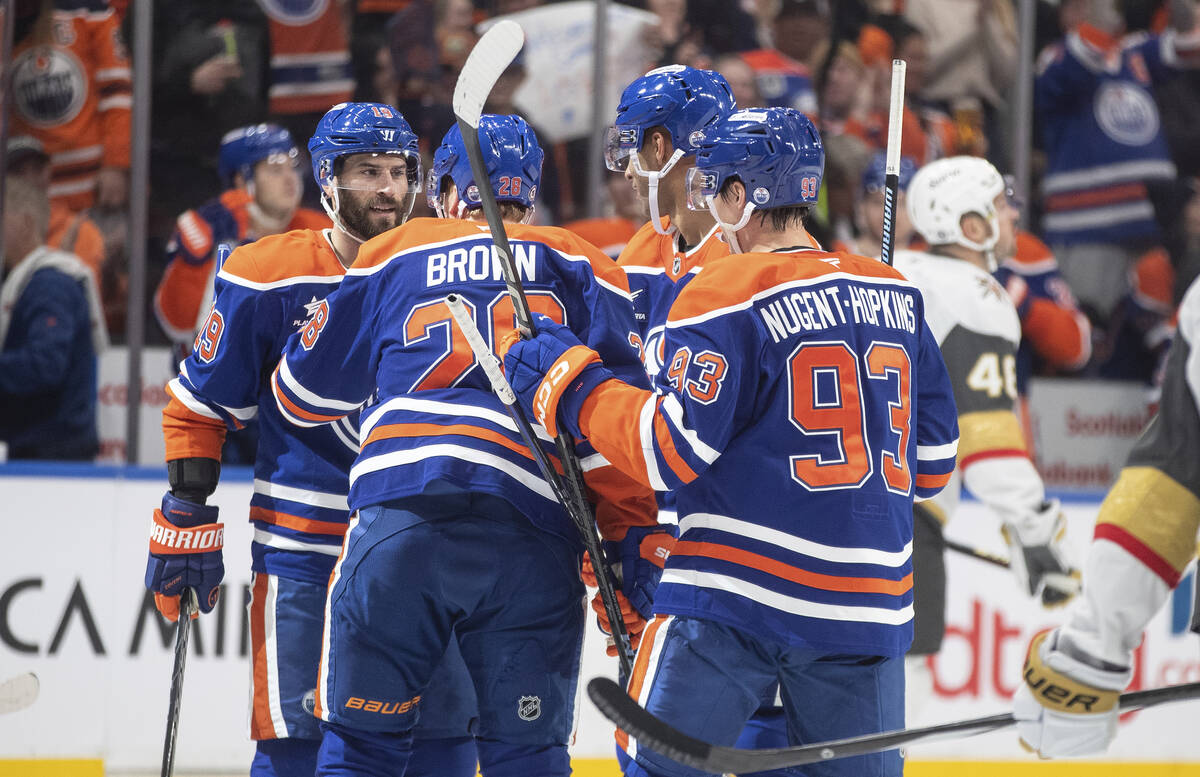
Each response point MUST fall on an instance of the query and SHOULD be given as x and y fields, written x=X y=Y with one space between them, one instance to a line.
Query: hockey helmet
x=682 y=99
x=242 y=148
x=511 y=155
x=945 y=190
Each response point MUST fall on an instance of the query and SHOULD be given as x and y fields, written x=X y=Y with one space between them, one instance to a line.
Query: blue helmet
x=362 y=128
x=875 y=175
x=510 y=152
x=681 y=99
x=775 y=152
x=244 y=147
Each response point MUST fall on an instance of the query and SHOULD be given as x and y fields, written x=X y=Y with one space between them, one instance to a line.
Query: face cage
x=700 y=186
x=619 y=144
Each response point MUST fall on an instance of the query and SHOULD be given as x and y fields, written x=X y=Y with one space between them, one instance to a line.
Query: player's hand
x=635 y=624
x=637 y=562
x=552 y=374
x=1068 y=703
x=185 y=552
x=1036 y=542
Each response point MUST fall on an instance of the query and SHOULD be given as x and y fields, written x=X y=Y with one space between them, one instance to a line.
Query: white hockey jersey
x=978 y=331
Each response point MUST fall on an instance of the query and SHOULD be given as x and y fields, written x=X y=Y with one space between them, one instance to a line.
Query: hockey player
x=457 y=537
x=868 y=211
x=259 y=165
x=959 y=206
x=1144 y=540
x=804 y=406
x=365 y=159
x=660 y=120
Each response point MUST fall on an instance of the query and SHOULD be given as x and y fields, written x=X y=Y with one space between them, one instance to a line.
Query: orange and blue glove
x=637 y=564
x=185 y=552
x=552 y=374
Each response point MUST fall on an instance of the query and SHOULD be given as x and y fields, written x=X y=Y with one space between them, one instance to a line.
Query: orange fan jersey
x=73 y=94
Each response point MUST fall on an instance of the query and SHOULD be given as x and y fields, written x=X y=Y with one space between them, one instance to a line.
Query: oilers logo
x=1126 y=113
x=294 y=13
x=49 y=86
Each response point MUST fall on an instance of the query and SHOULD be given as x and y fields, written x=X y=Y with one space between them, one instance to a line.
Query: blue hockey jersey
x=803 y=407
x=266 y=291
x=387 y=338
x=1102 y=135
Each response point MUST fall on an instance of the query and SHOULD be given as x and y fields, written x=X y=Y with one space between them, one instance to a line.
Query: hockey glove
x=1035 y=543
x=553 y=373
x=1068 y=702
x=185 y=552
x=635 y=624
x=637 y=562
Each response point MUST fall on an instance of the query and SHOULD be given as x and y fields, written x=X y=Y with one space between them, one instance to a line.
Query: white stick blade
x=491 y=56
x=18 y=693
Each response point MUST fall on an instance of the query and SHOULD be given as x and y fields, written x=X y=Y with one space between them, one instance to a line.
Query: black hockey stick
x=891 y=180
x=491 y=56
x=17 y=693
x=187 y=606
x=976 y=553
x=659 y=736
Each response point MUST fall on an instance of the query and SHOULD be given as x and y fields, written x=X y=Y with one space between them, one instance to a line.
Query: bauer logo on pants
x=529 y=708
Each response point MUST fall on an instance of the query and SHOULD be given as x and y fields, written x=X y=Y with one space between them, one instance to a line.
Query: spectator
x=868 y=210
x=51 y=329
x=69 y=231
x=260 y=166
x=845 y=93
x=1105 y=148
x=973 y=60
x=210 y=76
x=611 y=233
x=742 y=80
x=780 y=81
x=673 y=39
x=940 y=132
x=71 y=91
x=801 y=31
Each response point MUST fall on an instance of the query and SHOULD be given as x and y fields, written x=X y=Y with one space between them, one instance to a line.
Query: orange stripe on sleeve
x=862 y=585
x=609 y=419
x=300 y=412
x=295 y=522
x=189 y=434
x=933 y=481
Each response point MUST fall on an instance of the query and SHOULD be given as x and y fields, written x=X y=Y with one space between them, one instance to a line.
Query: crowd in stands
x=1112 y=225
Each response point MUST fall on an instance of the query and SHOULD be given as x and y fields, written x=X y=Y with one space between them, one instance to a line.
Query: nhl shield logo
x=529 y=708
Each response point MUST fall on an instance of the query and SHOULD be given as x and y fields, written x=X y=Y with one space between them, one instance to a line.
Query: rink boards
x=73 y=610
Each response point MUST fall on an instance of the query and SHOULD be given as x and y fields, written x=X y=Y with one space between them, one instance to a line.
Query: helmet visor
x=701 y=184
x=619 y=143
x=398 y=171
x=431 y=190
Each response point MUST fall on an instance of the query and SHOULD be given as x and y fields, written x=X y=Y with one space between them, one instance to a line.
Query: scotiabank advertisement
x=73 y=609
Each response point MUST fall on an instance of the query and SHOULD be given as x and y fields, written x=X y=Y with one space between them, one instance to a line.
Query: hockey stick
x=976 y=553
x=187 y=606
x=651 y=732
x=891 y=180
x=17 y=693
x=491 y=56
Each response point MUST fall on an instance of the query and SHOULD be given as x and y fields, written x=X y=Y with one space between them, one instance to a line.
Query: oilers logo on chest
x=294 y=12
x=49 y=87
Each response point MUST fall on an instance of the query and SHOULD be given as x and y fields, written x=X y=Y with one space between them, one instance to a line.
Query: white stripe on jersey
x=462 y=452
x=305 y=395
x=304 y=496
x=367 y=423
x=784 y=603
x=272 y=649
x=287 y=543
x=295 y=280
x=937 y=452
x=674 y=412
x=646 y=425
x=795 y=544
x=189 y=400
x=656 y=649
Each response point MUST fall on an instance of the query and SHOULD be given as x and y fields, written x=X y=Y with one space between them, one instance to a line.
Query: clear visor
x=701 y=184
x=399 y=172
x=619 y=143
x=290 y=158
x=431 y=191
